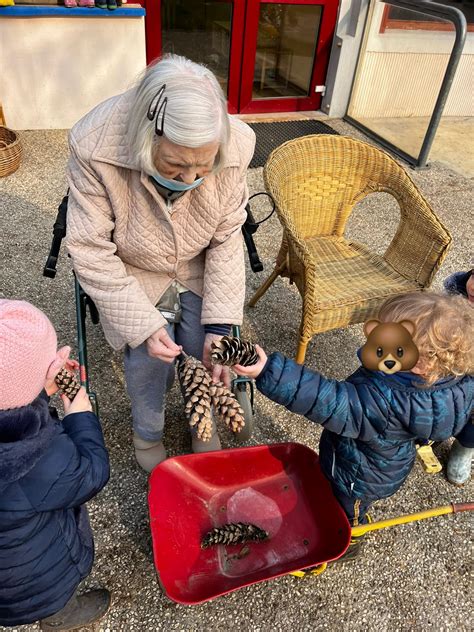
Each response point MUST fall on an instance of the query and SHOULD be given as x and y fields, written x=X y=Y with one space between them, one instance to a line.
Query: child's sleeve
x=75 y=468
x=340 y=407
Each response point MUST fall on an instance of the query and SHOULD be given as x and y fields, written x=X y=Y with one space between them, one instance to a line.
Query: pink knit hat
x=28 y=345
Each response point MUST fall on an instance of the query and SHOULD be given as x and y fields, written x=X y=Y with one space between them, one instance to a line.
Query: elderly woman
x=158 y=190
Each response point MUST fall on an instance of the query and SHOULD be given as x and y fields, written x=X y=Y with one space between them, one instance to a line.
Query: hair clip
x=158 y=106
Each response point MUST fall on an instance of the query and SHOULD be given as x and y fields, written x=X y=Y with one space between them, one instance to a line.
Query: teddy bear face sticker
x=389 y=347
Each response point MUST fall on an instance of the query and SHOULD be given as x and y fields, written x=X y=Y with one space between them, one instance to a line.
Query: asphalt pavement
x=415 y=577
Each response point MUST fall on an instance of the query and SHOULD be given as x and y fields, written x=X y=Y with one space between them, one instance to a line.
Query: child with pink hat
x=48 y=470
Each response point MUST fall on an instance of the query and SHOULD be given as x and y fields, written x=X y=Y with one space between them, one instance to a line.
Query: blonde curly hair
x=444 y=331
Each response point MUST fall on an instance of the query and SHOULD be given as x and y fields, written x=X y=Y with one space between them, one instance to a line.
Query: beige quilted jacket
x=127 y=247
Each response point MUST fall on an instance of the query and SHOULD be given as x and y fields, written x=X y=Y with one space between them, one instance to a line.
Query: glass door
x=268 y=56
x=286 y=53
x=207 y=31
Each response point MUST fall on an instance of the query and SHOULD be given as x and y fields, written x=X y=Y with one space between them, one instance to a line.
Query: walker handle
x=248 y=229
x=59 y=232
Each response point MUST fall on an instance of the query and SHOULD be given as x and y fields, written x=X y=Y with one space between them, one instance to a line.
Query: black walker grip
x=248 y=229
x=59 y=232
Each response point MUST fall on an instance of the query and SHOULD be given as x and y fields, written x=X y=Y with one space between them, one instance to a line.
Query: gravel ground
x=412 y=577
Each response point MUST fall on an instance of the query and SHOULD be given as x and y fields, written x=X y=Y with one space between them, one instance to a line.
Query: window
x=395 y=18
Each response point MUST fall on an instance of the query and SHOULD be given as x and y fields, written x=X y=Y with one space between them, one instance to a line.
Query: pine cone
x=226 y=406
x=196 y=381
x=67 y=383
x=233 y=533
x=229 y=351
x=200 y=393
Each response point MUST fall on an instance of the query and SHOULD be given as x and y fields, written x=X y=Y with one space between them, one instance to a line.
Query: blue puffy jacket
x=48 y=469
x=371 y=420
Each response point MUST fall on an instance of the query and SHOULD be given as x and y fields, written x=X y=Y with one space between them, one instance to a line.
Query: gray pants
x=148 y=378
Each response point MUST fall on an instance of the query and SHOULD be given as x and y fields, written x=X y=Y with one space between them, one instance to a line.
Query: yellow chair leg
x=266 y=284
x=301 y=353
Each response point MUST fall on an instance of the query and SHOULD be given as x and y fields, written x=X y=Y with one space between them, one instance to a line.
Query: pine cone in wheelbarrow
x=229 y=351
x=233 y=533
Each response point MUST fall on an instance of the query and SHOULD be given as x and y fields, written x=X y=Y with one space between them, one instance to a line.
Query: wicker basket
x=10 y=151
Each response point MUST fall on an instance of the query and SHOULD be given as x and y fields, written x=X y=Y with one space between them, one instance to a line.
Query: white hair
x=196 y=110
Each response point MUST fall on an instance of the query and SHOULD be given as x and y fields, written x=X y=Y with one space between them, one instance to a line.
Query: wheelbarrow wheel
x=242 y=395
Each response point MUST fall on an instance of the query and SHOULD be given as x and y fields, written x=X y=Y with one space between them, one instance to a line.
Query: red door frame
x=152 y=29
x=320 y=63
x=235 y=56
x=245 y=16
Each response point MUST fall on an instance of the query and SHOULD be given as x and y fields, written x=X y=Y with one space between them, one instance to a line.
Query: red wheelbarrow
x=280 y=488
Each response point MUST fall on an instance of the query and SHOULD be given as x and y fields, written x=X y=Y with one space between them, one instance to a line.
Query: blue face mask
x=174 y=185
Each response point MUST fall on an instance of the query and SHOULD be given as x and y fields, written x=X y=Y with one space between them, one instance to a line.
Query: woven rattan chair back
x=316 y=181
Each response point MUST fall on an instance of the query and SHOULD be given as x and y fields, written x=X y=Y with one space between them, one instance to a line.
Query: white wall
x=343 y=59
x=401 y=71
x=55 y=69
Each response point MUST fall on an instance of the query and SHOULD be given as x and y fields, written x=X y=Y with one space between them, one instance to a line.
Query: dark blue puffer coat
x=456 y=283
x=48 y=469
x=371 y=420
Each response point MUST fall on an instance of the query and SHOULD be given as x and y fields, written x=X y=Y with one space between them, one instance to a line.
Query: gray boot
x=79 y=611
x=198 y=446
x=148 y=453
x=459 y=464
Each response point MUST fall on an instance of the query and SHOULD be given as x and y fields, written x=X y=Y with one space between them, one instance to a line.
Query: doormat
x=271 y=135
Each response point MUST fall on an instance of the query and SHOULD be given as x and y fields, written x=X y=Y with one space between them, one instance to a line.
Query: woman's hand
x=254 y=370
x=219 y=373
x=80 y=404
x=160 y=345
x=61 y=360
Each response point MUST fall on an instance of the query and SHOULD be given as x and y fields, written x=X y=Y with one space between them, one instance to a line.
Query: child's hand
x=219 y=372
x=254 y=370
x=61 y=360
x=80 y=404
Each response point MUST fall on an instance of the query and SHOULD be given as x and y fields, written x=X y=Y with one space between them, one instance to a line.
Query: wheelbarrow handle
x=457 y=507
x=421 y=515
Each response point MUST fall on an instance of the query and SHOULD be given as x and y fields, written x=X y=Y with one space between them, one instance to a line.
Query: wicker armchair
x=316 y=182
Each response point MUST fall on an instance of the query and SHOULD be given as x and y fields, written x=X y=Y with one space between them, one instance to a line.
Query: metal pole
x=459 y=21
x=82 y=343
x=81 y=334
x=457 y=18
